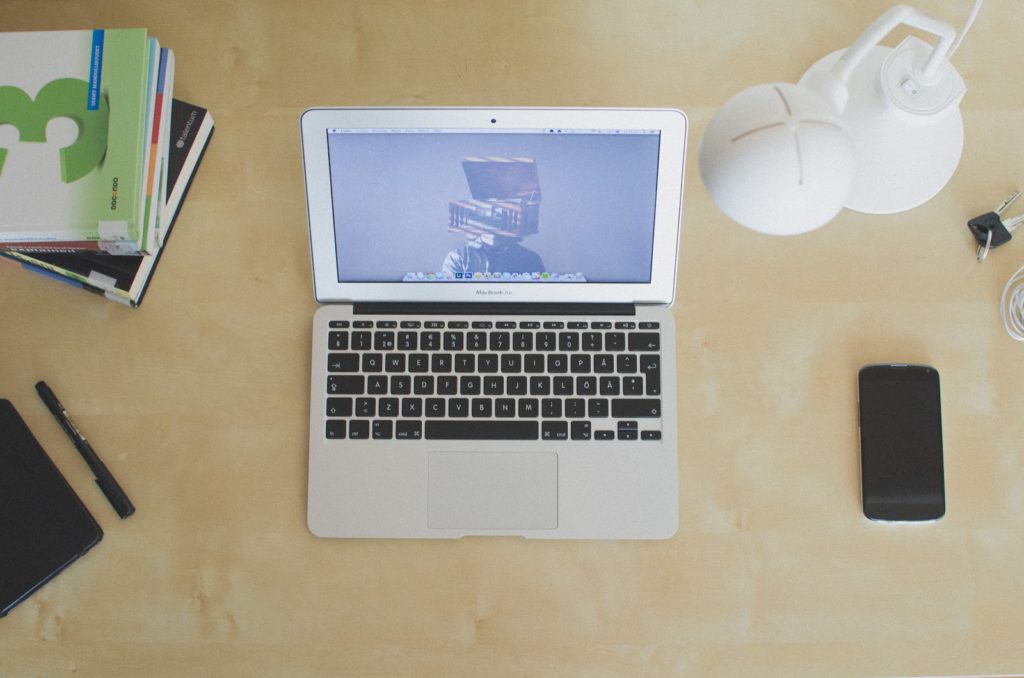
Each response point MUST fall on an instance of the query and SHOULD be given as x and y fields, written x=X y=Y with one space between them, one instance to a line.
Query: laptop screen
x=530 y=206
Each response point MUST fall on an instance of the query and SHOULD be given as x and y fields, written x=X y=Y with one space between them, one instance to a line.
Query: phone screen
x=901 y=443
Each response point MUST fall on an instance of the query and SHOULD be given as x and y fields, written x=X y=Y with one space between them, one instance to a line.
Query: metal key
x=990 y=230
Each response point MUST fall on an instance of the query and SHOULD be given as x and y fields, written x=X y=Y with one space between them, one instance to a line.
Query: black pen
x=115 y=495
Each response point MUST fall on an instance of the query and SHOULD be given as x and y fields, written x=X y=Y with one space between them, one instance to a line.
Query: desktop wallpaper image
x=391 y=195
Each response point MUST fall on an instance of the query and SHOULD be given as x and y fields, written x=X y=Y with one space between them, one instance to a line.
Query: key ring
x=983 y=249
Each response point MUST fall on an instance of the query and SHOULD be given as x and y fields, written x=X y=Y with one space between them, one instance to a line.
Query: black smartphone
x=901 y=443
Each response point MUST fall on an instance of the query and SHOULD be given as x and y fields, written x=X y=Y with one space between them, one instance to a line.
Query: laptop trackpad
x=493 y=490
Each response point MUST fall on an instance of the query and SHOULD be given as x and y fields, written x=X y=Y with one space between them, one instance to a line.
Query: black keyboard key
x=505 y=407
x=528 y=408
x=592 y=341
x=335 y=429
x=362 y=323
x=383 y=341
x=562 y=386
x=644 y=341
x=412 y=407
x=568 y=341
x=340 y=324
x=383 y=430
x=387 y=407
x=407 y=341
x=434 y=407
x=423 y=385
x=632 y=386
x=401 y=384
x=494 y=386
x=533 y=363
x=377 y=384
x=604 y=364
x=481 y=408
x=650 y=435
x=361 y=341
x=487 y=363
x=342 y=362
x=339 y=407
x=394 y=362
x=615 y=341
x=625 y=325
x=454 y=341
x=441 y=363
x=476 y=341
x=554 y=430
x=546 y=341
x=447 y=385
x=408 y=430
x=430 y=341
x=575 y=408
x=604 y=435
x=346 y=385
x=558 y=363
x=597 y=408
x=478 y=429
x=419 y=362
x=366 y=407
x=511 y=363
x=636 y=407
x=516 y=386
x=522 y=341
x=458 y=407
x=609 y=386
x=373 y=362
x=551 y=408
x=650 y=365
x=337 y=341
x=465 y=362
x=359 y=429
x=540 y=386
x=470 y=385
x=586 y=386
x=580 y=430
x=500 y=341
x=625 y=363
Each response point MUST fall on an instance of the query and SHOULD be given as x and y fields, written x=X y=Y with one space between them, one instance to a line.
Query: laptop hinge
x=484 y=308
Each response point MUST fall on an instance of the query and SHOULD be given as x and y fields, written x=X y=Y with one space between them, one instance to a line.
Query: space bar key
x=481 y=430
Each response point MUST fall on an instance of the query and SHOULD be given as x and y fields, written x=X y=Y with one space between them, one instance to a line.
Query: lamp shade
x=778 y=159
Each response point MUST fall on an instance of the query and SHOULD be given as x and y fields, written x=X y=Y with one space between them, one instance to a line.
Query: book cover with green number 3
x=73 y=108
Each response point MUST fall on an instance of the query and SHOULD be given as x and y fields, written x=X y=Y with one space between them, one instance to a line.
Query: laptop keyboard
x=493 y=380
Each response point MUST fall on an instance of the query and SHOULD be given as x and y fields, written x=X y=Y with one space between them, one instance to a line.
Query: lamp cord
x=1011 y=305
x=967 y=27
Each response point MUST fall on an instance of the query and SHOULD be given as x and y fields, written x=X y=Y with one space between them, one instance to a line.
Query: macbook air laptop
x=495 y=350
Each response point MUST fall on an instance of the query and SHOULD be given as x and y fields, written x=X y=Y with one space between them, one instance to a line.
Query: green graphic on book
x=63 y=98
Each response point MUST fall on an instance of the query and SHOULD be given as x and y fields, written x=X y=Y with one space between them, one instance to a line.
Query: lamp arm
x=900 y=14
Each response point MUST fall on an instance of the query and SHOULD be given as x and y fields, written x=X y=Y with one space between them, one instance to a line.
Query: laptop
x=495 y=350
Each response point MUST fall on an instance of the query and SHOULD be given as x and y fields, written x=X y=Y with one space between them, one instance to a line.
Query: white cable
x=967 y=27
x=1011 y=305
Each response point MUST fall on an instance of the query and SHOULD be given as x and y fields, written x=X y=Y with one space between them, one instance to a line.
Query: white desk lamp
x=871 y=128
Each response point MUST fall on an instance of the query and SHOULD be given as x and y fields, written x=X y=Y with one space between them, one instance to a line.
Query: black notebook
x=44 y=527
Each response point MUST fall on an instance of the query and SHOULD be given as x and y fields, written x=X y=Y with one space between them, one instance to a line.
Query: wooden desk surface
x=199 y=399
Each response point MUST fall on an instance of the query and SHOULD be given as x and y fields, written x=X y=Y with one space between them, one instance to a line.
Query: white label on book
x=114 y=238
x=113 y=230
x=101 y=280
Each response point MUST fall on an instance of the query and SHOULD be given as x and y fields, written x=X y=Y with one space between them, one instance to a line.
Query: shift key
x=636 y=408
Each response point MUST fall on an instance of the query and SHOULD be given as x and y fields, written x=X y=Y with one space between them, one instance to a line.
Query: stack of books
x=96 y=156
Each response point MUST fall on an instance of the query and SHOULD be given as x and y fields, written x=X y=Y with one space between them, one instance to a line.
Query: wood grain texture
x=198 y=400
